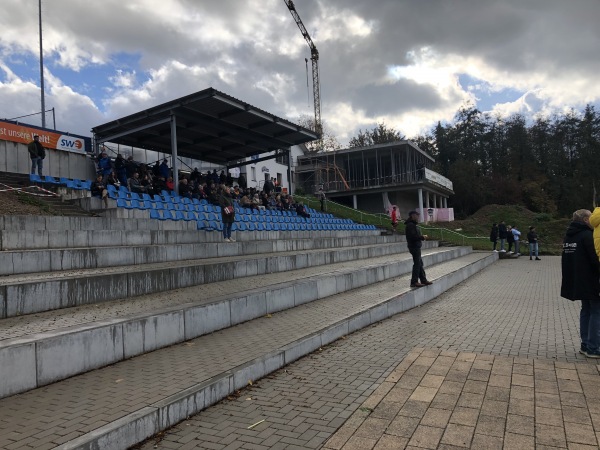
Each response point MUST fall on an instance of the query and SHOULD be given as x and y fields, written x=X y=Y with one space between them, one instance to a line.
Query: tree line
x=549 y=165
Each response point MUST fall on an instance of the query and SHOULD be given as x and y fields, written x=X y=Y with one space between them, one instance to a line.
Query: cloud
x=398 y=61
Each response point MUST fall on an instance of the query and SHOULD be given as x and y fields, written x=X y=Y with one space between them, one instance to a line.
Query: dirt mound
x=508 y=213
x=14 y=204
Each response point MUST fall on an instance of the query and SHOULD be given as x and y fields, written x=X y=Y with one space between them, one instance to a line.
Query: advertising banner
x=10 y=131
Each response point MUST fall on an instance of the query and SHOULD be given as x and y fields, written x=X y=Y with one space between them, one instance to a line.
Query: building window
x=283 y=158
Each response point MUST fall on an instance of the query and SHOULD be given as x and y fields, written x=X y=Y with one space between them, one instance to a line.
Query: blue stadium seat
x=250 y=226
x=50 y=180
x=35 y=178
x=123 y=203
x=259 y=226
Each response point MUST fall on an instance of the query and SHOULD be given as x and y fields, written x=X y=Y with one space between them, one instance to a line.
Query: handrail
x=382 y=218
x=451 y=232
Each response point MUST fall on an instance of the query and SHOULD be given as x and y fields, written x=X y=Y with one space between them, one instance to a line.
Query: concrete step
x=105 y=409
x=154 y=247
x=30 y=293
x=151 y=322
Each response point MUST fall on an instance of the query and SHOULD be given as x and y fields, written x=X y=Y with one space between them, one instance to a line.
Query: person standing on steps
x=580 y=269
x=227 y=213
x=494 y=235
x=37 y=154
x=502 y=235
x=414 y=239
x=533 y=243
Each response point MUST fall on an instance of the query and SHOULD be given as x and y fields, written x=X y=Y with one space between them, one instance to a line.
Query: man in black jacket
x=580 y=271
x=414 y=239
x=502 y=235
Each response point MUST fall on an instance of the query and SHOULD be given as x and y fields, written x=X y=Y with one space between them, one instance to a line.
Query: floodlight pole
x=42 y=68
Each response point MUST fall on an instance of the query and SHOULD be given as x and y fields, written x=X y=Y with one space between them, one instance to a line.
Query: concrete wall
x=14 y=157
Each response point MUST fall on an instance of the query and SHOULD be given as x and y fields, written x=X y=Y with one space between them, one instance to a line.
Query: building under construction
x=375 y=178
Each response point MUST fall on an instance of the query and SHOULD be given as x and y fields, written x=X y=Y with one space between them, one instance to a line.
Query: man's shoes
x=502 y=251
x=530 y=258
x=416 y=285
x=583 y=349
x=227 y=240
x=593 y=355
x=231 y=240
x=495 y=251
x=537 y=259
x=427 y=283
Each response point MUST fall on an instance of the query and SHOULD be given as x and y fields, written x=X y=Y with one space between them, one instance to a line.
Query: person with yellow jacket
x=595 y=222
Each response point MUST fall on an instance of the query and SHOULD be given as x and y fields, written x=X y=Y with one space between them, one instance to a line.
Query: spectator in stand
x=120 y=169
x=246 y=202
x=156 y=169
x=37 y=154
x=510 y=238
x=502 y=235
x=494 y=235
x=222 y=177
x=114 y=180
x=105 y=166
x=130 y=167
x=135 y=184
x=159 y=184
x=195 y=175
x=164 y=169
x=516 y=236
x=229 y=179
x=170 y=184
x=236 y=193
x=227 y=213
x=532 y=238
x=301 y=211
x=242 y=181
x=184 y=189
x=257 y=201
x=214 y=177
x=98 y=189
x=268 y=187
x=146 y=182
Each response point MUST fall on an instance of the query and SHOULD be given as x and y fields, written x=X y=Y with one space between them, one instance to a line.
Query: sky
x=407 y=63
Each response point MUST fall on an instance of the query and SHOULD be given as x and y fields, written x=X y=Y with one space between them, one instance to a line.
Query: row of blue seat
x=214 y=225
x=79 y=185
x=173 y=214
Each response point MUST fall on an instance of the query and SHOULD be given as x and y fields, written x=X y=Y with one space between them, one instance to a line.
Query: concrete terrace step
x=14 y=262
x=36 y=292
x=107 y=409
x=152 y=322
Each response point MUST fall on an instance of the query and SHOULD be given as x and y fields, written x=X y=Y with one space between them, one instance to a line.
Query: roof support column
x=289 y=170
x=175 y=168
x=421 y=202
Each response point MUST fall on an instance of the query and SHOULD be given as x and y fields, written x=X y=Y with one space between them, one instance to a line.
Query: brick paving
x=492 y=363
x=62 y=411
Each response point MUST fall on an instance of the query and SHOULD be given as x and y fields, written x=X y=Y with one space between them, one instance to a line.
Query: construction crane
x=314 y=57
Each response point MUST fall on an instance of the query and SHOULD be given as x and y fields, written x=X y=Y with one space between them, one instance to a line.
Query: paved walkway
x=492 y=363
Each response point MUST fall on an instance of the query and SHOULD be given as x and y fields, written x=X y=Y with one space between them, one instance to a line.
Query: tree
x=381 y=134
x=329 y=140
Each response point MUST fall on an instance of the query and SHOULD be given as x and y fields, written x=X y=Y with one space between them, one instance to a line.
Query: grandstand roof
x=211 y=126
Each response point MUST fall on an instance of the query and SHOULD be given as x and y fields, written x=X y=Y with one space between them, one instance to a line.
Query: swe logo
x=69 y=143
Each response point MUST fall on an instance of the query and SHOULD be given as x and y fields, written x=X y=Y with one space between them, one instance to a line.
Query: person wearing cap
x=414 y=239
x=37 y=153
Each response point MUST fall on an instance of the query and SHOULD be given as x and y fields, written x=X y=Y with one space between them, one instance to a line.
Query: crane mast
x=314 y=58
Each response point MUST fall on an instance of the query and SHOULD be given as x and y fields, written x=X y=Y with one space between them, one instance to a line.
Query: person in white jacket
x=516 y=235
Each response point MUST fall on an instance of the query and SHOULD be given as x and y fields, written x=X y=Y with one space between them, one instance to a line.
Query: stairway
x=57 y=205
x=115 y=329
